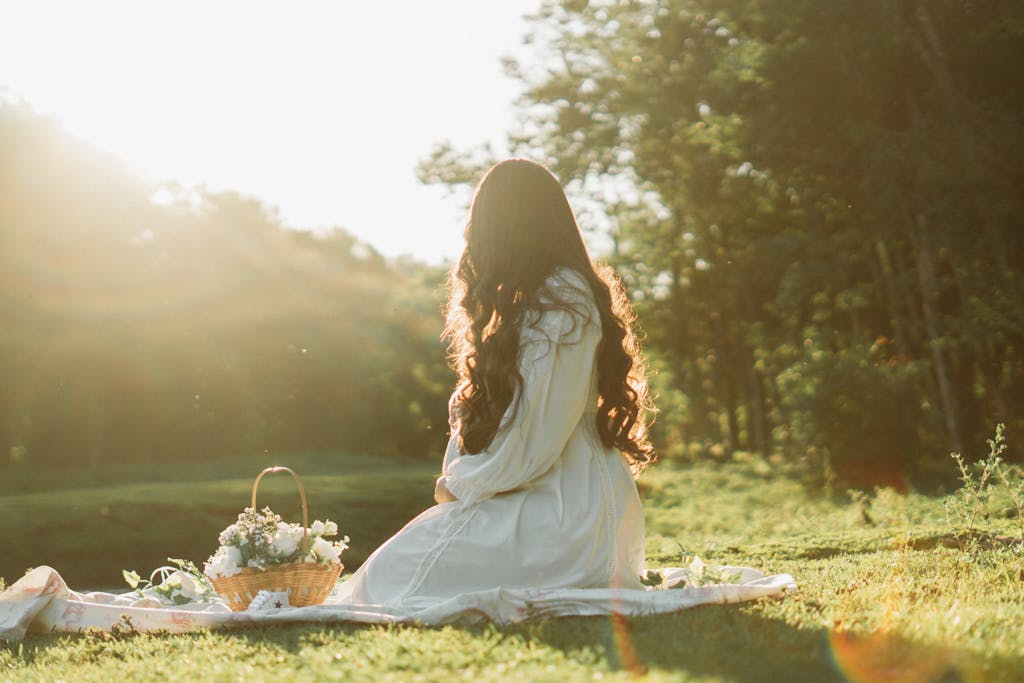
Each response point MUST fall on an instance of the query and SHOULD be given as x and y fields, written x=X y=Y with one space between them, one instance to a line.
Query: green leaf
x=131 y=578
x=652 y=578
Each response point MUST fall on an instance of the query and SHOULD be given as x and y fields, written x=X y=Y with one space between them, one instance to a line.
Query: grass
x=881 y=598
x=137 y=518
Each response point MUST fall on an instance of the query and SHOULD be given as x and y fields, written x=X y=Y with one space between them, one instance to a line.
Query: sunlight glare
x=320 y=108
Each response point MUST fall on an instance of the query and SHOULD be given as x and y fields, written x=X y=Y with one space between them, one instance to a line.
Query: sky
x=320 y=109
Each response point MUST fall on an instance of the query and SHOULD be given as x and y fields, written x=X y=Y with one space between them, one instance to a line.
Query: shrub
x=856 y=414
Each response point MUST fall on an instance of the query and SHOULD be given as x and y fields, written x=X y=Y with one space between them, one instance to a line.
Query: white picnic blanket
x=42 y=602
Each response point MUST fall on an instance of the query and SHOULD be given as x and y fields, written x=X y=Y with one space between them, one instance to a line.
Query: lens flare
x=627 y=654
x=882 y=657
x=621 y=625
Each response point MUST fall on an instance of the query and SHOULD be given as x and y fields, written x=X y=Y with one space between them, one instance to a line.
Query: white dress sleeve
x=557 y=365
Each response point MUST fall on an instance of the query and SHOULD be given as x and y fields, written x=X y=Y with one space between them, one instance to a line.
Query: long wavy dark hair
x=521 y=229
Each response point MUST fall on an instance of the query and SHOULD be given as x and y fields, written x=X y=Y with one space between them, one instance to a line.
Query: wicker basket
x=307 y=583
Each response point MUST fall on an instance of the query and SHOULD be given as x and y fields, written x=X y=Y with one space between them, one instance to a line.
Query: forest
x=815 y=206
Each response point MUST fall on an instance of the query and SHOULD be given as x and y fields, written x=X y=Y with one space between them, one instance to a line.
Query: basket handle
x=302 y=495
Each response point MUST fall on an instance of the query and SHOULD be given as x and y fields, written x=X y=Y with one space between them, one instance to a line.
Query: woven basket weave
x=307 y=583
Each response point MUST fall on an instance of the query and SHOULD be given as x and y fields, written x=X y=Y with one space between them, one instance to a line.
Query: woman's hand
x=441 y=492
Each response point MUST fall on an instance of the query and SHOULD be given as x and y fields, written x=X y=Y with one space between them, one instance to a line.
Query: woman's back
x=546 y=505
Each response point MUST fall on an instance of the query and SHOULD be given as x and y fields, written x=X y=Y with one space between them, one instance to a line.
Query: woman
x=548 y=418
x=537 y=512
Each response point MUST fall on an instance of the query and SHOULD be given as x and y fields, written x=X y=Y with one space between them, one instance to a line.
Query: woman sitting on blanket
x=537 y=499
x=548 y=420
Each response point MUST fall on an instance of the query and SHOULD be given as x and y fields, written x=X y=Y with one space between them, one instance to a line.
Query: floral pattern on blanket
x=42 y=602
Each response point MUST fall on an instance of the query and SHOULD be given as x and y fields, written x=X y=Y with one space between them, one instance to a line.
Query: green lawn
x=137 y=517
x=881 y=598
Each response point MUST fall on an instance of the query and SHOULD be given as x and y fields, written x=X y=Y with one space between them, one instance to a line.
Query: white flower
x=696 y=567
x=327 y=528
x=233 y=557
x=286 y=540
x=325 y=551
x=183 y=584
x=227 y=561
x=228 y=534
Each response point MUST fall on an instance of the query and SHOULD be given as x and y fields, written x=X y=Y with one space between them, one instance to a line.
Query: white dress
x=545 y=506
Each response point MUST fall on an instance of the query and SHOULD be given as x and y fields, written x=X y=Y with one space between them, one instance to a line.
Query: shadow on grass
x=708 y=641
x=744 y=646
x=704 y=641
x=711 y=641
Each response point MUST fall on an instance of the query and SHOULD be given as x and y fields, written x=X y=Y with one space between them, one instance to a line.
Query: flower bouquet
x=180 y=584
x=260 y=552
x=694 y=575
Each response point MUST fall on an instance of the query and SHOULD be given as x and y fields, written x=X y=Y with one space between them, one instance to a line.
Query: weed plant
x=986 y=484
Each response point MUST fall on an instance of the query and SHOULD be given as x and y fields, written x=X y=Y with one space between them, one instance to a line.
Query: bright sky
x=319 y=108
